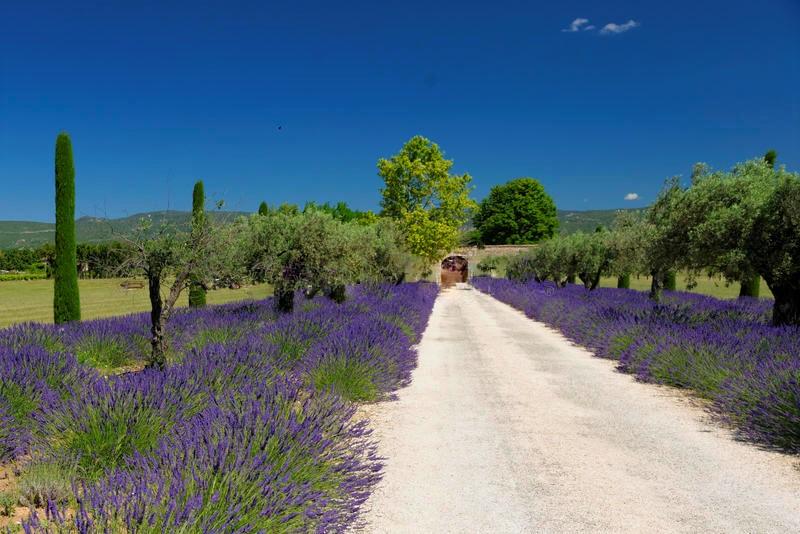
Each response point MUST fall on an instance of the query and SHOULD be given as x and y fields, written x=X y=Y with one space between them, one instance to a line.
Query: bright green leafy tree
x=430 y=202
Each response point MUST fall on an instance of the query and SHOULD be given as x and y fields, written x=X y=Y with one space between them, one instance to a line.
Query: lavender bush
x=249 y=428
x=726 y=351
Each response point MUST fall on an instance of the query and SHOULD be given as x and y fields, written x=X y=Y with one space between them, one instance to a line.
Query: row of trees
x=94 y=260
x=741 y=224
x=320 y=249
x=310 y=252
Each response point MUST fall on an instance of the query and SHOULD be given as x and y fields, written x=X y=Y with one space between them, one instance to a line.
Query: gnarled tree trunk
x=337 y=293
x=157 y=349
x=656 y=286
x=284 y=299
x=786 y=309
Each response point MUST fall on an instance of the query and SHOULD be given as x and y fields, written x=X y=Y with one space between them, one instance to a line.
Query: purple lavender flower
x=724 y=350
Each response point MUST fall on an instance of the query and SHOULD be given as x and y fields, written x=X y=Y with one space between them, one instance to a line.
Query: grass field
x=32 y=300
x=714 y=287
x=707 y=286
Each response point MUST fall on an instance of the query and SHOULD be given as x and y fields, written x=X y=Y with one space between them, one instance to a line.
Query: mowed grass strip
x=714 y=287
x=32 y=300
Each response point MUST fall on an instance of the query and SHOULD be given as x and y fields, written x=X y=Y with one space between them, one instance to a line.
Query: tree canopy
x=429 y=201
x=517 y=212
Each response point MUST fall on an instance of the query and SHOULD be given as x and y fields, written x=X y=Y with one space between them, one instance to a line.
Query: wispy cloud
x=576 y=25
x=589 y=27
x=612 y=28
x=632 y=196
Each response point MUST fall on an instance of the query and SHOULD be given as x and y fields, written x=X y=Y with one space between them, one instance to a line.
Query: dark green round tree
x=66 y=298
x=624 y=281
x=517 y=212
x=263 y=209
x=197 y=293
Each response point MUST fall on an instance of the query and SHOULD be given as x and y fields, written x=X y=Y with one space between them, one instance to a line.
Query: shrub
x=104 y=424
x=8 y=442
x=352 y=379
x=46 y=482
x=8 y=503
x=276 y=460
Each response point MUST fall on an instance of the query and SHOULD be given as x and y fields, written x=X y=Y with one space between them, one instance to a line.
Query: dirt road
x=507 y=427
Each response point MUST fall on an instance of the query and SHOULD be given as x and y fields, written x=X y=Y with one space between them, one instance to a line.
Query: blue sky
x=157 y=95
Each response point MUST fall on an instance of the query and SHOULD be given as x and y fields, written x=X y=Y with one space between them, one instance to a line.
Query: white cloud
x=618 y=28
x=575 y=25
x=589 y=27
x=632 y=196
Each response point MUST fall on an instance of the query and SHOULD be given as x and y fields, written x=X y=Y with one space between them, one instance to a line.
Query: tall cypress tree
x=263 y=209
x=197 y=292
x=66 y=298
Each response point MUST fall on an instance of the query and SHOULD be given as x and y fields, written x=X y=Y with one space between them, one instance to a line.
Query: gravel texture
x=507 y=427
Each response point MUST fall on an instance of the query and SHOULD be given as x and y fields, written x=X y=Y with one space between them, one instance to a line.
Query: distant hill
x=17 y=234
x=570 y=222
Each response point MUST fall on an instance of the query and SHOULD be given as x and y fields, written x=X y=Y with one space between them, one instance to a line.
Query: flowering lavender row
x=725 y=351
x=248 y=429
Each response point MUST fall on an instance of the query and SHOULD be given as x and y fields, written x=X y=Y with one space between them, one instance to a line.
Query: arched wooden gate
x=454 y=269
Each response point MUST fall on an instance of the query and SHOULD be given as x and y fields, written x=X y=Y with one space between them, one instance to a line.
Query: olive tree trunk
x=656 y=286
x=158 y=351
x=284 y=299
x=786 y=309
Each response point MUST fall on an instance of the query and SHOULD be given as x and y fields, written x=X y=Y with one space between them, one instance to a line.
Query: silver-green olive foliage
x=747 y=221
x=313 y=251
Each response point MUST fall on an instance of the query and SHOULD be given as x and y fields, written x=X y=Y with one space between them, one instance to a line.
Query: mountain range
x=16 y=234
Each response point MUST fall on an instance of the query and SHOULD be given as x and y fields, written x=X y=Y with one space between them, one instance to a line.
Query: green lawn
x=708 y=286
x=32 y=300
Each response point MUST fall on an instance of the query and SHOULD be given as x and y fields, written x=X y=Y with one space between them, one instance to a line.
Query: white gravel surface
x=508 y=427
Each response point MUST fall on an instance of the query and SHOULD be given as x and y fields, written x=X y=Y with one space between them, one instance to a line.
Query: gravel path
x=507 y=427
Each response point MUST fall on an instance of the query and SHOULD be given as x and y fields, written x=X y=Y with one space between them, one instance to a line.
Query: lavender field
x=725 y=351
x=249 y=428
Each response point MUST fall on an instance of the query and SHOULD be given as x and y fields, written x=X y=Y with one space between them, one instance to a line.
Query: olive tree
x=662 y=234
x=172 y=260
x=744 y=223
x=308 y=251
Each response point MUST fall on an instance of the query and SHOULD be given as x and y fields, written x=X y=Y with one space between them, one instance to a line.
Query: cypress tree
x=197 y=293
x=263 y=209
x=66 y=298
x=624 y=281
